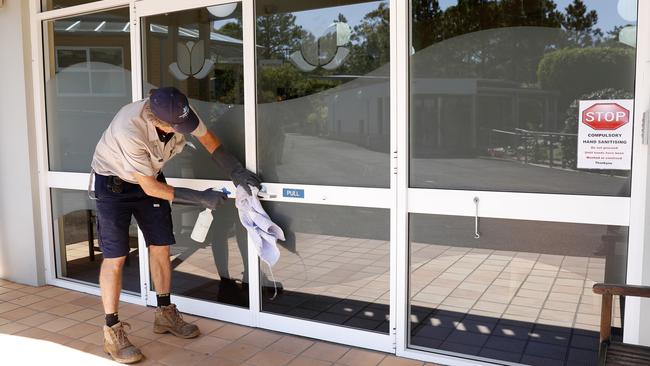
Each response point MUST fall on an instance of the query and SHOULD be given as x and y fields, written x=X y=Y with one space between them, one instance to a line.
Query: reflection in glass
x=58 y=4
x=323 y=93
x=521 y=293
x=494 y=86
x=200 y=51
x=334 y=265
x=88 y=72
x=216 y=269
x=78 y=256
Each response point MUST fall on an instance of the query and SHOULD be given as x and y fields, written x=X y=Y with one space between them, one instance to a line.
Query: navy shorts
x=114 y=211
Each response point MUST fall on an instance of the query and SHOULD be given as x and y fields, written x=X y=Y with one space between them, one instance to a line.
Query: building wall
x=21 y=258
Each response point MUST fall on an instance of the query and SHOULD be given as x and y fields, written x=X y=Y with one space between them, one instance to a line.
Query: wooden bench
x=618 y=353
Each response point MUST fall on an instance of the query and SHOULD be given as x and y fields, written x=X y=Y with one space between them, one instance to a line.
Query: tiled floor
x=52 y=324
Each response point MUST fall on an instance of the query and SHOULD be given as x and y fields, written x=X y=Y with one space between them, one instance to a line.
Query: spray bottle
x=202 y=226
x=203 y=222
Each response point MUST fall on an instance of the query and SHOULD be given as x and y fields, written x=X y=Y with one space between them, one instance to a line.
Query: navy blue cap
x=171 y=106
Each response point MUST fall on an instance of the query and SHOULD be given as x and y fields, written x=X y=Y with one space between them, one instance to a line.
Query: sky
x=316 y=21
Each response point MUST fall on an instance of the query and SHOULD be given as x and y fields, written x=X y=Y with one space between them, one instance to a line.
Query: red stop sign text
x=605 y=116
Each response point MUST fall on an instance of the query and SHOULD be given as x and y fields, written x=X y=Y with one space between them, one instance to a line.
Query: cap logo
x=186 y=111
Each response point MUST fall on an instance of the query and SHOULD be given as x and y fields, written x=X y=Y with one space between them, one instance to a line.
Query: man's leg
x=161 y=268
x=110 y=283
x=167 y=317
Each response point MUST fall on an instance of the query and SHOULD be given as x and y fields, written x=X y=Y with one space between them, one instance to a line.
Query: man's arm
x=210 y=141
x=209 y=198
x=239 y=175
x=154 y=188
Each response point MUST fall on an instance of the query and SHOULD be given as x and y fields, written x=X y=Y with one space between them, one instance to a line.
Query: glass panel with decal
x=520 y=293
x=88 y=71
x=334 y=266
x=494 y=92
x=200 y=51
x=323 y=92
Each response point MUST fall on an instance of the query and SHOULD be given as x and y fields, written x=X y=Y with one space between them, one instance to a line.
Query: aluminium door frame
x=523 y=206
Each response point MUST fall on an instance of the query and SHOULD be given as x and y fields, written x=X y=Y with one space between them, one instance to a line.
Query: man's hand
x=240 y=176
x=208 y=199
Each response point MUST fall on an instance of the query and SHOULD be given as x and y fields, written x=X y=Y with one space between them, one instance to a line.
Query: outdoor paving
x=53 y=325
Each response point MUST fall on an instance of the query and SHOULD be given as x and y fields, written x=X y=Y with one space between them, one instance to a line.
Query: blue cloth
x=114 y=211
x=263 y=232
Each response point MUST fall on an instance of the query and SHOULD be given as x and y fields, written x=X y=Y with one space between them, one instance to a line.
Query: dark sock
x=111 y=319
x=163 y=300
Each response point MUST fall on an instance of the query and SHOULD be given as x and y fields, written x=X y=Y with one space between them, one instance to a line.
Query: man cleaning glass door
x=127 y=165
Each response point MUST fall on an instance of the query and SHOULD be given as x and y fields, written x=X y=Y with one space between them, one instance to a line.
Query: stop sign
x=605 y=116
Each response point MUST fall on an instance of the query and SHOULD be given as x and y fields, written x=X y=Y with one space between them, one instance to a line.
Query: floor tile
x=357 y=357
x=270 y=358
x=291 y=344
x=326 y=351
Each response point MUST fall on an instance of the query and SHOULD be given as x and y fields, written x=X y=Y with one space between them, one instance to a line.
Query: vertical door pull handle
x=477 y=235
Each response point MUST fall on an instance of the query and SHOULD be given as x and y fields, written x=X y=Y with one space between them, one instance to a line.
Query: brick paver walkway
x=50 y=325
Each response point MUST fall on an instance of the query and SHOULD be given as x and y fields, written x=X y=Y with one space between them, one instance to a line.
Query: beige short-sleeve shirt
x=130 y=145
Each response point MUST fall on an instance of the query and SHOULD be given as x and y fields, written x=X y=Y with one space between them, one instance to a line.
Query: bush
x=577 y=71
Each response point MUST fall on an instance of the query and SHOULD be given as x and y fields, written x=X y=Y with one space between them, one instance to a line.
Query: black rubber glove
x=208 y=199
x=240 y=176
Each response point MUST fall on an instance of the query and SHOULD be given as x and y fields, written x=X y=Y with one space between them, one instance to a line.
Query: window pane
x=66 y=57
x=88 y=81
x=520 y=293
x=494 y=87
x=101 y=57
x=58 y=4
x=323 y=92
x=76 y=245
x=215 y=270
x=333 y=267
x=200 y=51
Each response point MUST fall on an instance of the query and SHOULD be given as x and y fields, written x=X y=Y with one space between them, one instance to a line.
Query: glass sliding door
x=506 y=232
x=200 y=52
x=87 y=80
x=323 y=142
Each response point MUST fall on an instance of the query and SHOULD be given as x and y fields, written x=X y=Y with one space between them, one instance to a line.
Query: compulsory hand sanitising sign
x=605 y=134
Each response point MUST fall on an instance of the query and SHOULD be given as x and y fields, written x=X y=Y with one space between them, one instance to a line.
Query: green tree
x=581 y=24
x=370 y=39
x=232 y=29
x=278 y=34
x=425 y=23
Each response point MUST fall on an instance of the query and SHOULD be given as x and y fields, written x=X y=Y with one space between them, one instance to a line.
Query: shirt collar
x=152 y=135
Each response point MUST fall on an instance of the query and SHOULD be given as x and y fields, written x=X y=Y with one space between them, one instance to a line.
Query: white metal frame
x=400 y=199
x=523 y=206
x=639 y=205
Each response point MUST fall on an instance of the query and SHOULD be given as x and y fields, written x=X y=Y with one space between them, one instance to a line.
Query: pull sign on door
x=293 y=193
x=605 y=134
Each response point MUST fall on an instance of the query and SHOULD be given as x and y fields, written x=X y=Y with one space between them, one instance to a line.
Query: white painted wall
x=20 y=241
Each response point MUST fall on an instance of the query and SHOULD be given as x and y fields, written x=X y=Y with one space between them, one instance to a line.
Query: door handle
x=477 y=235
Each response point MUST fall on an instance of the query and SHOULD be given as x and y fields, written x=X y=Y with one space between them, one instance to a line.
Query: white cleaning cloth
x=263 y=232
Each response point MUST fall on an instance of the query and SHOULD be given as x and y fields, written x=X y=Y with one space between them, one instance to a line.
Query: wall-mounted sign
x=605 y=134
x=293 y=193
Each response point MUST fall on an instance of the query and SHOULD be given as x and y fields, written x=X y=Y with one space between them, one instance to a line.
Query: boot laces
x=120 y=334
x=175 y=315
